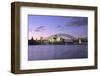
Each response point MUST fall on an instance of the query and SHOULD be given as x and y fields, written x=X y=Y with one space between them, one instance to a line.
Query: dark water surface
x=48 y=52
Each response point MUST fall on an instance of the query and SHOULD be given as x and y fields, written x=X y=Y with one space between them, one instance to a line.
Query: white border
x=25 y=64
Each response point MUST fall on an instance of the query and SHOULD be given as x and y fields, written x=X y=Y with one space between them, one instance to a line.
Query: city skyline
x=44 y=26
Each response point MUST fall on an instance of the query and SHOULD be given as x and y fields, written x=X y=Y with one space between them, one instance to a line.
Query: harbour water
x=52 y=52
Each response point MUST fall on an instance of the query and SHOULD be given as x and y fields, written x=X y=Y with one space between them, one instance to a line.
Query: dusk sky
x=44 y=26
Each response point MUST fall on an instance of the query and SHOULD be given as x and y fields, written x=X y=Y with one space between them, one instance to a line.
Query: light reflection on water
x=49 y=52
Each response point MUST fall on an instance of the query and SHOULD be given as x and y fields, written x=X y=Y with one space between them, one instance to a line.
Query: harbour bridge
x=61 y=37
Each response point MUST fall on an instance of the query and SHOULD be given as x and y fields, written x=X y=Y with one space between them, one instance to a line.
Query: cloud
x=59 y=26
x=77 y=21
x=40 y=29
